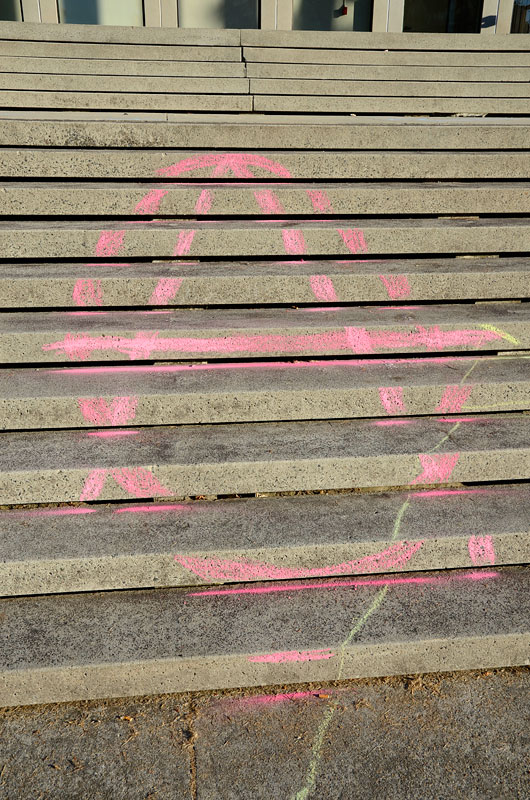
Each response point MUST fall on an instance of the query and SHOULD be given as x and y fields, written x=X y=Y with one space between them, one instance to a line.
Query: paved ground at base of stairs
x=438 y=736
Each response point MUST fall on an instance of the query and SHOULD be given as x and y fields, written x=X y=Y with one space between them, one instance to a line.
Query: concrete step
x=260 y=392
x=131 y=101
x=261 y=283
x=319 y=165
x=386 y=70
x=66 y=466
x=116 y=644
x=153 y=52
x=322 y=104
x=90 y=548
x=182 y=238
x=393 y=90
x=196 y=68
x=168 y=334
x=274 y=131
x=221 y=199
x=74 y=83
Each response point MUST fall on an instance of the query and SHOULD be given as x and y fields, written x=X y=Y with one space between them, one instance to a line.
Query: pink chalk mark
x=204 y=203
x=322 y=287
x=150 y=203
x=94 y=484
x=240 y=164
x=437 y=468
x=353 y=239
x=392 y=399
x=397 y=286
x=154 y=508
x=55 y=512
x=359 y=340
x=87 y=292
x=481 y=550
x=113 y=434
x=221 y=569
x=320 y=201
x=454 y=398
x=119 y=411
x=140 y=482
x=268 y=202
x=391 y=423
x=165 y=291
x=292 y=655
x=184 y=242
x=293 y=241
x=109 y=243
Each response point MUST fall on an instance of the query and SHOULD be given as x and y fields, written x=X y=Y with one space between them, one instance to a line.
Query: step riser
x=421 y=91
x=273 y=103
x=194 y=68
x=129 y=101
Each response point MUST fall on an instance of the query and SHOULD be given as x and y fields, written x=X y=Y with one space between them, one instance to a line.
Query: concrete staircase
x=267 y=374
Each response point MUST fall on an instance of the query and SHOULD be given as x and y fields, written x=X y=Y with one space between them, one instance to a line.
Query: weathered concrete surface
x=90 y=51
x=91 y=548
x=121 y=84
x=296 y=132
x=179 y=238
x=438 y=736
x=261 y=283
x=299 y=103
x=322 y=165
x=81 y=646
x=42 y=32
x=124 y=749
x=129 y=100
x=391 y=89
x=64 y=466
x=385 y=70
x=268 y=391
x=107 y=199
x=233 y=333
x=195 y=68
x=373 y=58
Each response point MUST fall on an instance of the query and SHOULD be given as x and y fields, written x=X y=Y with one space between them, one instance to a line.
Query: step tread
x=57 y=550
x=93 y=645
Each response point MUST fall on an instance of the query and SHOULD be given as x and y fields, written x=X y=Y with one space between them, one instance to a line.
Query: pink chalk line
x=184 y=242
x=239 y=164
x=87 y=293
x=165 y=291
x=150 y=203
x=397 y=286
x=320 y=202
x=392 y=399
x=109 y=243
x=437 y=468
x=268 y=202
x=115 y=433
x=136 y=481
x=454 y=398
x=322 y=287
x=204 y=202
x=292 y=655
x=354 y=240
x=293 y=241
x=221 y=569
x=98 y=411
x=481 y=550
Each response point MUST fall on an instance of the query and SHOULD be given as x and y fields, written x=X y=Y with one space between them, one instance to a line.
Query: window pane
x=102 y=12
x=442 y=16
x=218 y=14
x=521 y=16
x=10 y=9
x=327 y=15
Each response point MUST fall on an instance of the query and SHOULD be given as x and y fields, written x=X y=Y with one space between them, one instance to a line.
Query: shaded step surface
x=196 y=67
x=78 y=646
x=64 y=466
x=273 y=131
x=182 y=238
x=159 y=52
x=421 y=90
x=201 y=393
x=84 y=85
x=165 y=333
x=316 y=104
x=388 y=69
x=91 y=548
x=107 y=199
x=323 y=165
x=135 y=101
x=248 y=283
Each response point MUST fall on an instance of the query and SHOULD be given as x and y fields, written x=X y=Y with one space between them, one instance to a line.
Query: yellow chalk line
x=501 y=333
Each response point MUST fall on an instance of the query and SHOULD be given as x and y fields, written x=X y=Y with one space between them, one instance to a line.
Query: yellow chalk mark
x=501 y=333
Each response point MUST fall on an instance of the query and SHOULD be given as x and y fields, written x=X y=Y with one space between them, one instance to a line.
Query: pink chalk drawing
x=392 y=399
x=320 y=202
x=293 y=241
x=322 y=287
x=114 y=433
x=98 y=411
x=454 y=398
x=397 y=286
x=109 y=243
x=150 y=203
x=239 y=164
x=204 y=203
x=87 y=292
x=292 y=655
x=136 y=481
x=268 y=202
x=221 y=569
x=165 y=291
x=184 y=242
x=353 y=239
x=437 y=468
x=481 y=550
x=359 y=340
